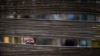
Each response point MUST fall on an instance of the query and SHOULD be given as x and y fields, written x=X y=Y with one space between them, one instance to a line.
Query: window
x=10 y=16
x=44 y=16
x=72 y=17
x=70 y=42
x=84 y=42
x=83 y=18
x=25 y=16
x=15 y=40
x=6 y=40
x=56 y=17
x=44 y=41
x=91 y=18
x=1 y=39
x=96 y=43
x=97 y=1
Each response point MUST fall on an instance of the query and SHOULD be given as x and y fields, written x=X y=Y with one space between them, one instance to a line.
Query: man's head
x=29 y=40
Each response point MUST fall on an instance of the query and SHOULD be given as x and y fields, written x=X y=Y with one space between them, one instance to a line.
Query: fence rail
x=30 y=50
x=49 y=28
x=49 y=6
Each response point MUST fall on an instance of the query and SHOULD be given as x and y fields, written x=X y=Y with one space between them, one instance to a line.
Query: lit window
x=10 y=16
x=72 y=17
x=15 y=40
x=85 y=42
x=96 y=43
x=6 y=40
x=57 y=16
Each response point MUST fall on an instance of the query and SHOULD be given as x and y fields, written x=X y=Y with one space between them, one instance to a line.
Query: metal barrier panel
x=29 y=50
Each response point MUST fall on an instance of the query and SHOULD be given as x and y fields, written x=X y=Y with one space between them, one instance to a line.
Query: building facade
x=51 y=22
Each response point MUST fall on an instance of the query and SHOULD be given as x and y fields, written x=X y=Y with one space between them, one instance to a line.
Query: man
x=29 y=40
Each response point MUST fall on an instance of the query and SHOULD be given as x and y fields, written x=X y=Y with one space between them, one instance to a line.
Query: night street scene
x=49 y=27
